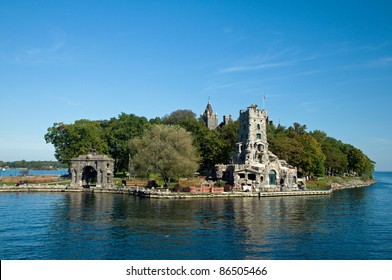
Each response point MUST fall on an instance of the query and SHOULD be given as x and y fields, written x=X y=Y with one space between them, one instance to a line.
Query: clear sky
x=326 y=64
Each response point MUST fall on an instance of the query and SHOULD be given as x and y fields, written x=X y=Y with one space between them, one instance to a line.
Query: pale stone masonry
x=253 y=167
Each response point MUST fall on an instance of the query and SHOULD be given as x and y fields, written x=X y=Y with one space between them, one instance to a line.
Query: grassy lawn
x=61 y=183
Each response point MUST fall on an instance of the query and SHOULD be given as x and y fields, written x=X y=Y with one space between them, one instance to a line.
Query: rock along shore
x=141 y=192
x=352 y=184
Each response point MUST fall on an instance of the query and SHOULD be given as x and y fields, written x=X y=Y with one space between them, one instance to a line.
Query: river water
x=32 y=172
x=349 y=224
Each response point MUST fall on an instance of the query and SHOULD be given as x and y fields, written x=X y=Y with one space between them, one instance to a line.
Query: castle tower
x=252 y=146
x=253 y=167
x=209 y=117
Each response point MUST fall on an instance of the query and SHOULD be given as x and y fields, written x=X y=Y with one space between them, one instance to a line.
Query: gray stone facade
x=209 y=117
x=253 y=167
x=92 y=170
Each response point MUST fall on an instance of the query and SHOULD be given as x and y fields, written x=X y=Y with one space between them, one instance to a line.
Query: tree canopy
x=71 y=140
x=119 y=131
x=166 y=150
x=314 y=153
x=108 y=137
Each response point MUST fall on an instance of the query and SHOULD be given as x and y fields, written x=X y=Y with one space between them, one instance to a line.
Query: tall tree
x=167 y=150
x=335 y=158
x=119 y=132
x=71 y=140
x=178 y=116
x=359 y=163
x=312 y=157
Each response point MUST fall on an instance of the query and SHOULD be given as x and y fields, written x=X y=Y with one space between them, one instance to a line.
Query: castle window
x=242 y=175
x=258 y=136
x=252 y=177
x=258 y=126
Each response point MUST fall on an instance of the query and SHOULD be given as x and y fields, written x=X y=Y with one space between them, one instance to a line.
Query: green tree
x=71 y=140
x=287 y=148
x=229 y=135
x=178 y=116
x=297 y=147
x=336 y=159
x=214 y=146
x=359 y=163
x=119 y=131
x=166 y=150
x=156 y=120
x=312 y=157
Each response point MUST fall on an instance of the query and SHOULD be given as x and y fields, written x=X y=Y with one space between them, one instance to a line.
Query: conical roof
x=208 y=109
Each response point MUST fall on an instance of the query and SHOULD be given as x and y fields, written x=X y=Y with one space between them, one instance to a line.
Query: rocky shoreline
x=352 y=184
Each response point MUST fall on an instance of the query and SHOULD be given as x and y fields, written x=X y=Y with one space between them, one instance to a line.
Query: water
x=349 y=224
x=18 y=172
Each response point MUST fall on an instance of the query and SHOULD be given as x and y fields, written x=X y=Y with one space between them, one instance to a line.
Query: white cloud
x=271 y=59
x=381 y=62
x=382 y=141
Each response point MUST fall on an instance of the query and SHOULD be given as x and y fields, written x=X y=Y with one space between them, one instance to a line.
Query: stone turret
x=209 y=117
x=252 y=135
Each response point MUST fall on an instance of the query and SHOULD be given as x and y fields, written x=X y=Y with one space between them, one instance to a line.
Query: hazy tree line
x=126 y=137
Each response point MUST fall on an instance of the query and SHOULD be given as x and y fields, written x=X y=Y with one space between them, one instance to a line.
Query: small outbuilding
x=92 y=170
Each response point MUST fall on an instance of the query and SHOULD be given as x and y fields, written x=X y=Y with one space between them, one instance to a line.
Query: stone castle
x=253 y=167
x=211 y=119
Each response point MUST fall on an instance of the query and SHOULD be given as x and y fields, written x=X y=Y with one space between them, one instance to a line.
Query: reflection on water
x=350 y=224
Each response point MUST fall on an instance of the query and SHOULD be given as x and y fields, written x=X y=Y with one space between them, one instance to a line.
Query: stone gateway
x=92 y=170
x=253 y=167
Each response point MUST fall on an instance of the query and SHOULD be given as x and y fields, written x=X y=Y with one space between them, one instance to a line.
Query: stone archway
x=92 y=170
x=89 y=177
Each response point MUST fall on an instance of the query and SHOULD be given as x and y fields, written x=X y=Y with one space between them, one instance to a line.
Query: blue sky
x=326 y=64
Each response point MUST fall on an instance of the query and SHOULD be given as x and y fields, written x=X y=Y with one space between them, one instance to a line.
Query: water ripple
x=349 y=224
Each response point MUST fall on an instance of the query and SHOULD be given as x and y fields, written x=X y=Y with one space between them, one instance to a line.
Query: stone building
x=226 y=120
x=209 y=117
x=92 y=170
x=253 y=167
